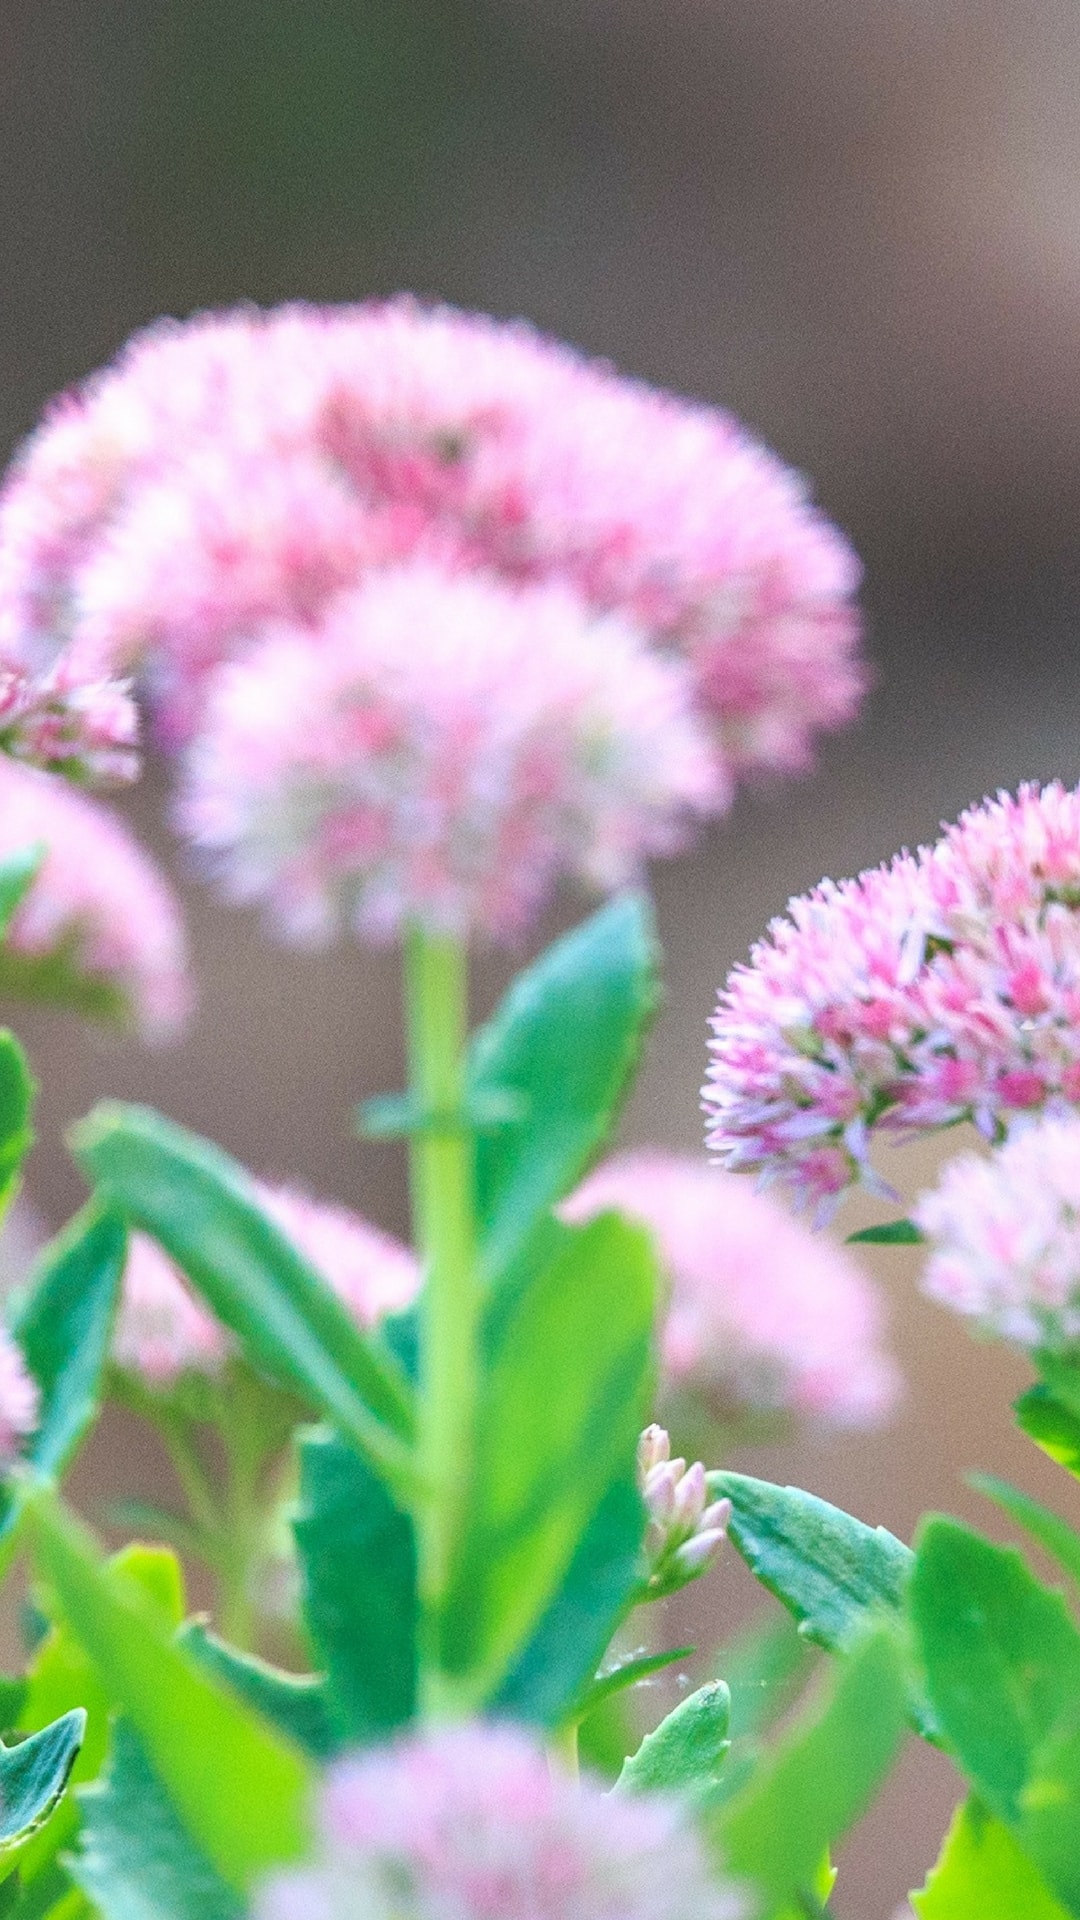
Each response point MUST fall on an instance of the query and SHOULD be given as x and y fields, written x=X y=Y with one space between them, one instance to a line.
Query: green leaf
x=137 y=1860
x=562 y=1401
x=16 y=1108
x=239 y=1788
x=64 y=1327
x=565 y=1042
x=62 y=1678
x=809 y=1790
x=1052 y=1427
x=358 y=1559
x=629 y=1673
x=686 y=1751
x=33 y=1776
x=1001 y=1655
x=297 y=1704
x=765 y=1667
x=983 y=1875
x=1049 y=1829
x=829 y=1569
x=1061 y=1377
x=18 y=871
x=204 y=1210
x=552 y=1676
x=1050 y=1531
x=892 y=1233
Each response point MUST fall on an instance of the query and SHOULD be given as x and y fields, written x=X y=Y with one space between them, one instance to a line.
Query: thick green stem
x=441 y=1165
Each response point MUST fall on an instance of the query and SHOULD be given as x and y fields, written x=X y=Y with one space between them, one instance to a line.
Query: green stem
x=441 y=1168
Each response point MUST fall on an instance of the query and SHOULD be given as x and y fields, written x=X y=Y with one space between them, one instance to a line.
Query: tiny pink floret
x=20 y=1400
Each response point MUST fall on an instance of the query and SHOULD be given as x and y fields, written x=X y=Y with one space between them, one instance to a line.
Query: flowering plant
x=436 y=616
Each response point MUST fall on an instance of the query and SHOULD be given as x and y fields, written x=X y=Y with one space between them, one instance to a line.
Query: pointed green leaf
x=686 y=1751
x=137 y=1860
x=18 y=871
x=204 y=1210
x=629 y=1673
x=555 y=1668
x=16 y=1108
x=298 y=1704
x=806 y=1793
x=1049 y=1530
x=562 y=1401
x=565 y=1042
x=892 y=1233
x=358 y=1560
x=829 y=1569
x=983 y=1875
x=62 y=1678
x=240 y=1789
x=1052 y=1426
x=64 y=1327
x=1001 y=1655
x=33 y=1776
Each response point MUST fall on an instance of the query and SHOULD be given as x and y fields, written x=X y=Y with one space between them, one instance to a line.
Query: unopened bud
x=694 y=1554
x=653 y=1447
x=689 y=1503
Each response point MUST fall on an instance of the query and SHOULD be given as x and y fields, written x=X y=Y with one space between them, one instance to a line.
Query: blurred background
x=858 y=227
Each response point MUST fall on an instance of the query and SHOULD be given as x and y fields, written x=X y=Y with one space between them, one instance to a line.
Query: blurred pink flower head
x=763 y=1315
x=19 y=1400
x=944 y=986
x=69 y=722
x=1005 y=1236
x=163 y=1331
x=446 y=751
x=99 y=927
x=472 y=1823
x=245 y=467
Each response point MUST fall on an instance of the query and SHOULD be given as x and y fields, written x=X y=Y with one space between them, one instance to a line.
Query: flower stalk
x=442 y=1180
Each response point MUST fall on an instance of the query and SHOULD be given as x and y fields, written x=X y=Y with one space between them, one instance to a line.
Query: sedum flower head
x=163 y=1331
x=69 y=721
x=763 y=1316
x=245 y=467
x=444 y=754
x=99 y=926
x=472 y=1823
x=1005 y=1236
x=944 y=986
x=19 y=1400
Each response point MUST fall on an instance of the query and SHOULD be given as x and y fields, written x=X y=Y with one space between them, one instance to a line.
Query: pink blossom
x=942 y=987
x=19 y=1400
x=472 y=1823
x=762 y=1314
x=447 y=750
x=163 y=1331
x=69 y=720
x=1005 y=1236
x=99 y=925
x=244 y=467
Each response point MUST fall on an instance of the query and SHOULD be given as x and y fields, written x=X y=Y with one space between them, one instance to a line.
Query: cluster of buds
x=61 y=721
x=684 y=1531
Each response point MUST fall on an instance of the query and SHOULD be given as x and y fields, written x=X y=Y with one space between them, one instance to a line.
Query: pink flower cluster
x=247 y=466
x=685 y=1530
x=448 y=748
x=60 y=719
x=472 y=1823
x=99 y=924
x=162 y=1331
x=762 y=1315
x=1005 y=1236
x=942 y=987
x=19 y=1400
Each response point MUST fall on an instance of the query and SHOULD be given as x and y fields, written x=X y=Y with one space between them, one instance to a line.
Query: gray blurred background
x=858 y=226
